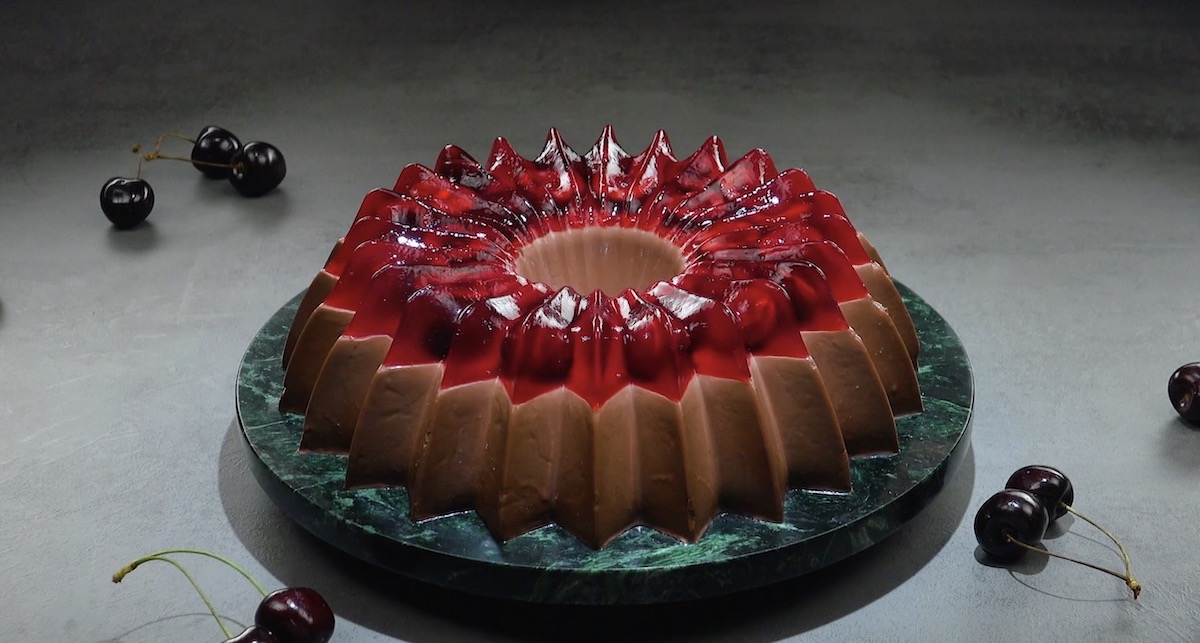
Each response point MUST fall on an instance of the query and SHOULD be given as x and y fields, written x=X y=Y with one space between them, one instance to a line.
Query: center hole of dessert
x=595 y=258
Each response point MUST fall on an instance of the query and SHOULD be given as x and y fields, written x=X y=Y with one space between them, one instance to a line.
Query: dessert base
x=642 y=565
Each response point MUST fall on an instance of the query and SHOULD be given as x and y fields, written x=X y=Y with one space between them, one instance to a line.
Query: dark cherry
x=214 y=145
x=1014 y=513
x=296 y=615
x=126 y=202
x=257 y=168
x=1050 y=485
x=1184 y=390
x=255 y=634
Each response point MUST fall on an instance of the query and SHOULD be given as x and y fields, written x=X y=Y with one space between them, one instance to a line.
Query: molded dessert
x=601 y=340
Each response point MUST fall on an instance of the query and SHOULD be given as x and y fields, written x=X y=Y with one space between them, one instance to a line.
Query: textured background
x=1029 y=168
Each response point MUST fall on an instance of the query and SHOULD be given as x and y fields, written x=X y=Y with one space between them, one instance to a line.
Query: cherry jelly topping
x=364 y=261
x=440 y=193
x=428 y=326
x=386 y=300
x=460 y=168
x=526 y=182
x=433 y=263
x=647 y=174
x=598 y=361
x=746 y=174
x=560 y=171
x=609 y=167
x=843 y=279
x=831 y=219
x=538 y=354
x=761 y=308
x=656 y=345
x=475 y=353
x=766 y=317
x=686 y=179
x=714 y=345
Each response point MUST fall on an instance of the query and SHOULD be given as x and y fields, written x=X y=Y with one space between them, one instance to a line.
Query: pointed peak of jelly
x=649 y=170
x=607 y=153
x=756 y=166
x=375 y=202
x=702 y=167
x=720 y=199
x=561 y=308
x=605 y=145
x=520 y=301
x=455 y=164
x=503 y=154
x=713 y=150
x=556 y=152
x=608 y=165
x=568 y=189
x=413 y=174
x=660 y=145
x=454 y=154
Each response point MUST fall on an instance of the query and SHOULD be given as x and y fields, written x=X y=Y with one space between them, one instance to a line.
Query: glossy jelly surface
x=596 y=271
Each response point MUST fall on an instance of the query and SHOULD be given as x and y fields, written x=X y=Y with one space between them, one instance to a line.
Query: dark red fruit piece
x=214 y=145
x=296 y=615
x=1050 y=485
x=1014 y=513
x=255 y=634
x=126 y=202
x=1184 y=390
x=257 y=168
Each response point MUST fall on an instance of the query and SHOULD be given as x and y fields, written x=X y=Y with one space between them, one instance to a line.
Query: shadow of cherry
x=1027 y=567
x=147 y=628
x=264 y=213
x=136 y=240
x=1060 y=527
x=1181 y=446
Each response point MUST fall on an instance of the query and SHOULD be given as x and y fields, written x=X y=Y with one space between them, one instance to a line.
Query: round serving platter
x=642 y=565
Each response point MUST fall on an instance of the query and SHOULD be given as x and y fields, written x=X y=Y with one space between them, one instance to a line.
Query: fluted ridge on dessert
x=601 y=340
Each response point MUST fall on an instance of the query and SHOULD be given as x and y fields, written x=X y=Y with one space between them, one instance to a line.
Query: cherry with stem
x=288 y=615
x=1014 y=520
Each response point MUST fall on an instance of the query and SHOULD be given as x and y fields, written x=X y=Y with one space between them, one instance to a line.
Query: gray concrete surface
x=1028 y=167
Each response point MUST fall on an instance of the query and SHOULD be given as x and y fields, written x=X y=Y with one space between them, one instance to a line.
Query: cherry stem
x=121 y=573
x=1134 y=586
x=159 y=143
x=157 y=154
x=154 y=156
x=137 y=148
x=204 y=597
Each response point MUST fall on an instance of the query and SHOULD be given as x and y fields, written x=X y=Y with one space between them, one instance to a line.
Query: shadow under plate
x=642 y=565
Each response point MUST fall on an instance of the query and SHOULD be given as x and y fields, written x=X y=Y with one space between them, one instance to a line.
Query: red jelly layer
x=431 y=263
x=476 y=351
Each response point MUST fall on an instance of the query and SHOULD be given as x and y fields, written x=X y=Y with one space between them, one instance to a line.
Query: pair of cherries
x=253 y=169
x=1033 y=497
x=1013 y=521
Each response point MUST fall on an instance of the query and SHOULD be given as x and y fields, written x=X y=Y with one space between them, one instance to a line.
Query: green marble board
x=642 y=565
